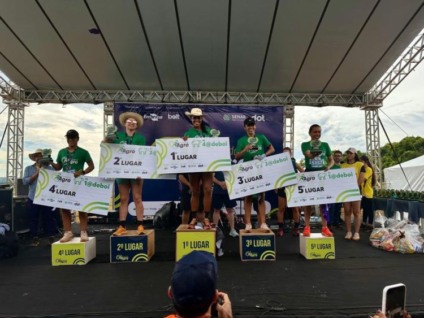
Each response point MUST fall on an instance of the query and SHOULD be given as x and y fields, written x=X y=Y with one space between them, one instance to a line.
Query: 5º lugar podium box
x=317 y=246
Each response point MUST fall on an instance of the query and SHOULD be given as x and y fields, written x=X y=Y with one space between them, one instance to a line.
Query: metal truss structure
x=15 y=142
x=372 y=133
x=288 y=127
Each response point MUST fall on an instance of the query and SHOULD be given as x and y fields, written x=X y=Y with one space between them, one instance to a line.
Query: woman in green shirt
x=199 y=179
x=131 y=122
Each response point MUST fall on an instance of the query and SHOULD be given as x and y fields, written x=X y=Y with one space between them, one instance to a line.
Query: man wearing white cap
x=35 y=210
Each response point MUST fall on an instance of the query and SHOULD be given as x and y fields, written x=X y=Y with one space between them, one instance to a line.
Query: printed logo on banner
x=43 y=182
x=153 y=117
x=174 y=116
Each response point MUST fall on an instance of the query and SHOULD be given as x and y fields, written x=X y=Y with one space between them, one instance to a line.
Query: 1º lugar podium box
x=194 y=240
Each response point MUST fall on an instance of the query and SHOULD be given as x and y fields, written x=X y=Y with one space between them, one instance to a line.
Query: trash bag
x=165 y=217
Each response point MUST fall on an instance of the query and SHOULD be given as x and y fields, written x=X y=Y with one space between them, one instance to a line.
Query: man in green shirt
x=250 y=147
x=72 y=159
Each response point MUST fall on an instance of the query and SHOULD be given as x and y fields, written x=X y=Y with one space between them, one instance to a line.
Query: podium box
x=257 y=245
x=317 y=246
x=132 y=247
x=189 y=240
x=73 y=252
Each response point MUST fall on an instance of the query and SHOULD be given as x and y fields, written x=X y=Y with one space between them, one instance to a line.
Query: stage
x=348 y=286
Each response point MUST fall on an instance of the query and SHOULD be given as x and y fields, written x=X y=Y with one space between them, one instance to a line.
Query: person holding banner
x=352 y=161
x=282 y=202
x=72 y=159
x=131 y=122
x=199 y=179
x=36 y=210
x=318 y=157
x=250 y=147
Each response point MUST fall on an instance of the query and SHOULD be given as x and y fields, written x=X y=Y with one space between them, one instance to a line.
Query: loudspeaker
x=6 y=195
x=20 y=215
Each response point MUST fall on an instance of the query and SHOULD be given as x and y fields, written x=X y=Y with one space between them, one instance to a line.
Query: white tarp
x=414 y=171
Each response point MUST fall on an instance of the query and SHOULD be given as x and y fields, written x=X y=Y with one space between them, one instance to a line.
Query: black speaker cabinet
x=6 y=195
x=20 y=215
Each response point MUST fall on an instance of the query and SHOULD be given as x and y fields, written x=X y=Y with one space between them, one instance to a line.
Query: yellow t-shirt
x=366 y=187
x=356 y=165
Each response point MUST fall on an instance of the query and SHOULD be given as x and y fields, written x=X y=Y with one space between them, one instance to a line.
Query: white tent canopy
x=414 y=171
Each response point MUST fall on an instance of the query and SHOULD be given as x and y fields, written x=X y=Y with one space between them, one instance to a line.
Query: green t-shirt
x=320 y=161
x=192 y=133
x=262 y=145
x=73 y=161
x=137 y=139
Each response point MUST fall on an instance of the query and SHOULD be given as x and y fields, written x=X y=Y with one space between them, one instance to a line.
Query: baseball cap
x=72 y=133
x=351 y=149
x=193 y=281
x=249 y=121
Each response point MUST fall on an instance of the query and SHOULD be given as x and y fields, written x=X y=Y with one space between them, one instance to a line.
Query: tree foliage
x=406 y=149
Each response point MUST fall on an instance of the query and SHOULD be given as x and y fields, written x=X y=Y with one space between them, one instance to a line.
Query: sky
x=402 y=115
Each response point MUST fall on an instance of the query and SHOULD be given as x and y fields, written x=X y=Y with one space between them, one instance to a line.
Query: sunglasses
x=130 y=121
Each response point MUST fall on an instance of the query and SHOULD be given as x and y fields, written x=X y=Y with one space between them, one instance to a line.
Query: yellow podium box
x=73 y=252
x=132 y=247
x=257 y=245
x=317 y=246
x=194 y=240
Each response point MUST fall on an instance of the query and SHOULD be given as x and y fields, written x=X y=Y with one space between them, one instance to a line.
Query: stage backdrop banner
x=129 y=161
x=320 y=187
x=63 y=190
x=258 y=176
x=170 y=121
x=177 y=155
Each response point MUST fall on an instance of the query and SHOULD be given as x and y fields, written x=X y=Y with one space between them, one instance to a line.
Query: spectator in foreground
x=193 y=287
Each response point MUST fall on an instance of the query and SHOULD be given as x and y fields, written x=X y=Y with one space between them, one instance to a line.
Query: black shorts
x=220 y=200
x=281 y=193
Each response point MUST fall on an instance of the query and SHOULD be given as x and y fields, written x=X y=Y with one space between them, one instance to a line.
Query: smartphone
x=394 y=298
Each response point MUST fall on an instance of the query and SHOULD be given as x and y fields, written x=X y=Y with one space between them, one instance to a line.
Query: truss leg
x=107 y=115
x=288 y=127
x=15 y=142
x=372 y=133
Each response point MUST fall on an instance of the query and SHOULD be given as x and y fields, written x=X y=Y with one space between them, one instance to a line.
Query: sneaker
x=307 y=231
x=295 y=231
x=67 y=236
x=356 y=237
x=248 y=227
x=348 y=236
x=265 y=227
x=326 y=232
x=84 y=236
x=140 y=229
x=233 y=233
x=220 y=252
x=280 y=232
x=35 y=241
x=120 y=231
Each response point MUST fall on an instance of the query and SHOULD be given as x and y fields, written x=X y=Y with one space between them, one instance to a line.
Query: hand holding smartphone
x=394 y=299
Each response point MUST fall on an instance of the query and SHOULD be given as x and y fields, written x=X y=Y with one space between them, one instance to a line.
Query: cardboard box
x=317 y=246
x=257 y=245
x=132 y=247
x=194 y=240
x=73 y=252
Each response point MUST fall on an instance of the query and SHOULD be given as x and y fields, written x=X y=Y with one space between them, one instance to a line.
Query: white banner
x=129 y=162
x=174 y=155
x=63 y=190
x=320 y=187
x=258 y=176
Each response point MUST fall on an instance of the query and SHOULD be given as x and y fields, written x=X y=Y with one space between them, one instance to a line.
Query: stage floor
x=348 y=286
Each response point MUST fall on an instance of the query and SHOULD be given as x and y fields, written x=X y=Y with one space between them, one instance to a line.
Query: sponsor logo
x=173 y=116
x=153 y=117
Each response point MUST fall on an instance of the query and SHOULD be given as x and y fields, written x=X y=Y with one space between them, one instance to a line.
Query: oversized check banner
x=129 y=161
x=62 y=190
x=174 y=155
x=319 y=187
x=258 y=176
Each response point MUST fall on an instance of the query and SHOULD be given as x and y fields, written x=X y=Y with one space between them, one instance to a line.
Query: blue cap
x=193 y=281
